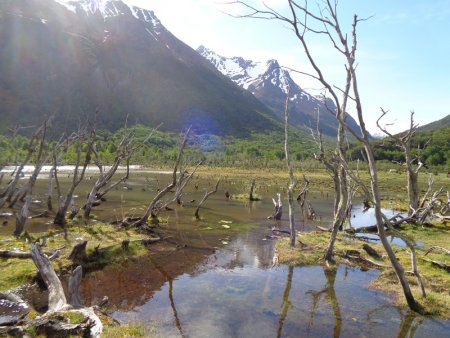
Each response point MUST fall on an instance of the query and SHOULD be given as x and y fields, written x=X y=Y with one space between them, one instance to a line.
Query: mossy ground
x=16 y=272
x=437 y=280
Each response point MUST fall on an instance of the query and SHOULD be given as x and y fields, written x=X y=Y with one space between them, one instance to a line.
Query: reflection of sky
x=247 y=302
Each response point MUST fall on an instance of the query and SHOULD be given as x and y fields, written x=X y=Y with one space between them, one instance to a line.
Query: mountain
x=269 y=83
x=442 y=123
x=73 y=58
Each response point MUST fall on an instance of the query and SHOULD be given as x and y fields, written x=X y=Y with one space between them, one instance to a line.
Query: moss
x=125 y=330
x=16 y=272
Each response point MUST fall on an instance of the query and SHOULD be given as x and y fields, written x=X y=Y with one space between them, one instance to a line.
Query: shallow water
x=210 y=281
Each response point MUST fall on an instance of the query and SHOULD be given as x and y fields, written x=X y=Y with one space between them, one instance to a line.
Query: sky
x=403 y=49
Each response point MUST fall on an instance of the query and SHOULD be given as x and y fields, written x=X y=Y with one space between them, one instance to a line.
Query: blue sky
x=403 y=51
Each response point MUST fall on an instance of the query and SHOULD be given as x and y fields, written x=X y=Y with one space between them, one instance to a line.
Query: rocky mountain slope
x=72 y=58
x=269 y=83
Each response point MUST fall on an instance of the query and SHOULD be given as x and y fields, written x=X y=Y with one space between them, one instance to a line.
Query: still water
x=216 y=277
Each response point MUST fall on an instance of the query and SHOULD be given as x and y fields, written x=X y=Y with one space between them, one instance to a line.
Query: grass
x=436 y=280
x=16 y=272
x=124 y=330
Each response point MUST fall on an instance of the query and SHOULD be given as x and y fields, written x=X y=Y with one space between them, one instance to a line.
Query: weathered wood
x=371 y=251
x=21 y=218
x=24 y=254
x=74 y=287
x=278 y=208
x=78 y=252
x=437 y=248
x=207 y=194
x=56 y=297
x=438 y=264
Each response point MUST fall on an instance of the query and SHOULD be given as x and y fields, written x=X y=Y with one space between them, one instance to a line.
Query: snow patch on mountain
x=111 y=8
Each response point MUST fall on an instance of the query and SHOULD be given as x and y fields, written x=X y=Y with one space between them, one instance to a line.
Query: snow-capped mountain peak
x=270 y=83
x=110 y=8
x=250 y=74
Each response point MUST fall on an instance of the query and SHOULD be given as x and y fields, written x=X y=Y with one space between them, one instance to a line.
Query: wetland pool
x=216 y=277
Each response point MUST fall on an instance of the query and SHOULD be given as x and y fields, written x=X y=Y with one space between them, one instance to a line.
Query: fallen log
x=371 y=251
x=438 y=264
x=24 y=254
x=437 y=248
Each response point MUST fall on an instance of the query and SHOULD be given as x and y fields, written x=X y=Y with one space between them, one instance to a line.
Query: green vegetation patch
x=104 y=247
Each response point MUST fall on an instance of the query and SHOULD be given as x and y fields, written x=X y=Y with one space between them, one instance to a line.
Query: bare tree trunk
x=412 y=174
x=74 y=287
x=292 y=179
x=209 y=193
x=66 y=201
x=22 y=217
x=56 y=298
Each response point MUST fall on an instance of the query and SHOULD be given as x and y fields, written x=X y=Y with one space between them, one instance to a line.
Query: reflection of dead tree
x=207 y=194
x=152 y=209
x=292 y=179
x=330 y=275
x=286 y=304
x=303 y=20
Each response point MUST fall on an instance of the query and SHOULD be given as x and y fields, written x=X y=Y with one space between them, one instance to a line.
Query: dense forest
x=260 y=149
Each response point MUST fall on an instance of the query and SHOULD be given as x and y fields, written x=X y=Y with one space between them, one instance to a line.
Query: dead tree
x=278 y=212
x=82 y=139
x=125 y=149
x=412 y=173
x=251 y=198
x=338 y=173
x=207 y=194
x=22 y=216
x=292 y=179
x=301 y=197
x=152 y=209
x=36 y=143
x=303 y=20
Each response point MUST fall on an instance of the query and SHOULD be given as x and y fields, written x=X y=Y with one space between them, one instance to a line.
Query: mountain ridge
x=77 y=57
x=270 y=83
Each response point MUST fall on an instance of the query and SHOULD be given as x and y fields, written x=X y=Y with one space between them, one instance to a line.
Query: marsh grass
x=16 y=272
